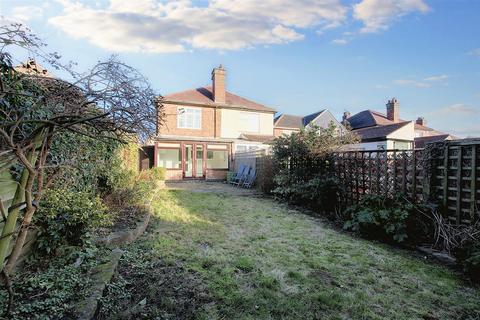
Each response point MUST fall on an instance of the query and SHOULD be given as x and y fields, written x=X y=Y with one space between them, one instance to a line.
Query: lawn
x=219 y=256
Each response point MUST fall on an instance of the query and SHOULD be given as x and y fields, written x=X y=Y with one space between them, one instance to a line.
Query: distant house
x=285 y=124
x=204 y=128
x=379 y=131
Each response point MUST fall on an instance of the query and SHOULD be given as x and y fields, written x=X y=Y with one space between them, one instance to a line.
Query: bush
x=66 y=217
x=303 y=172
x=152 y=175
x=472 y=262
x=321 y=193
x=386 y=219
x=468 y=255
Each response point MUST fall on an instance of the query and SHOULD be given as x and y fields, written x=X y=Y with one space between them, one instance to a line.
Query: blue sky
x=296 y=56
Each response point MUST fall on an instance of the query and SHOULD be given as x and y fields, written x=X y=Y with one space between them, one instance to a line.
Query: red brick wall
x=169 y=126
x=173 y=175
x=213 y=174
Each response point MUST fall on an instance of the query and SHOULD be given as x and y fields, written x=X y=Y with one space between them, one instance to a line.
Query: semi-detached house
x=203 y=128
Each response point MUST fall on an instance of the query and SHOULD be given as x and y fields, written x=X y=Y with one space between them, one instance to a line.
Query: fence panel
x=249 y=158
x=449 y=175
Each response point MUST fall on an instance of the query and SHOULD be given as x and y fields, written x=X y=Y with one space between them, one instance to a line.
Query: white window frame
x=187 y=116
x=248 y=117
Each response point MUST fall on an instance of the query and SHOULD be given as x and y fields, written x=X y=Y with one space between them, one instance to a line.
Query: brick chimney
x=393 y=110
x=346 y=115
x=218 y=84
x=421 y=121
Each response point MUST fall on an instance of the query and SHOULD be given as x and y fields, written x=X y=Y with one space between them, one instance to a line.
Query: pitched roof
x=289 y=121
x=379 y=131
x=32 y=68
x=369 y=118
x=204 y=95
x=298 y=122
x=420 y=142
x=311 y=117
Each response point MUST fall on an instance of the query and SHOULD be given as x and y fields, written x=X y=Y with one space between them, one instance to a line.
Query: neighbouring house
x=285 y=124
x=379 y=131
x=204 y=128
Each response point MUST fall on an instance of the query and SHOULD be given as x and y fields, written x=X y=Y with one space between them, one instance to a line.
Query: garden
x=85 y=235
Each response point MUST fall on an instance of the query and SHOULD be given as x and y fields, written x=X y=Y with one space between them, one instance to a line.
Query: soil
x=160 y=290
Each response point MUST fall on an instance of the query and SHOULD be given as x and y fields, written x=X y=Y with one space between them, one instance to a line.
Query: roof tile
x=204 y=95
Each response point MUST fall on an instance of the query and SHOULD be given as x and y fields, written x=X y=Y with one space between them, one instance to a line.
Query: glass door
x=199 y=168
x=188 y=168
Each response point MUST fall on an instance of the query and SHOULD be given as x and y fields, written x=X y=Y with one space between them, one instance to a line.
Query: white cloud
x=26 y=13
x=439 y=78
x=474 y=52
x=377 y=15
x=411 y=82
x=157 y=26
x=340 y=41
x=458 y=109
x=425 y=82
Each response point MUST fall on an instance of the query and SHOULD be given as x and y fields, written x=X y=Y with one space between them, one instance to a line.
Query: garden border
x=103 y=273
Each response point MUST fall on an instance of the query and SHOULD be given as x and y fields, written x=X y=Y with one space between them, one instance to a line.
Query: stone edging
x=125 y=236
x=103 y=273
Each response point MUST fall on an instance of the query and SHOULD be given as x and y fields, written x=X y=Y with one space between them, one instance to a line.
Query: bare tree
x=110 y=101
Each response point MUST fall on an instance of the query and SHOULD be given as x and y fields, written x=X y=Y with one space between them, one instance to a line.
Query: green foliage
x=154 y=175
x=469 y=256
x=129 y=154
x=383 y=218
x=85 y=163
x=123 y=168
x=304 y=167
x=66 y=217
x=51 y=291
x=472 y=263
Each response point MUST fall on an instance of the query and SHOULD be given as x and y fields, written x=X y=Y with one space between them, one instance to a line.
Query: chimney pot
x=393 y=110
x=421 y=121
x=218 y=84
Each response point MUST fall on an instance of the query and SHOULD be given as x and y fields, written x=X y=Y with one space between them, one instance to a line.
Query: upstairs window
x=189 y=118
x=249 y=122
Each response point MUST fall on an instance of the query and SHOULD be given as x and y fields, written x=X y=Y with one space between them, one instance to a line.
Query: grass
x=210 y=256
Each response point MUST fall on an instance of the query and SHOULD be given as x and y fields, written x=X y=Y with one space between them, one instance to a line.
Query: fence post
x=445 y=175
x=357 y=193
x=473 y=182
x=404 y=172
x=386 y=173
x=394 y=171
x=370 y=172
x=459 y=183
x=414 y=175
x=378 y=173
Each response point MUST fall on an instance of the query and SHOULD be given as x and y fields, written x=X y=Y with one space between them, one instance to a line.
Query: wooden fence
x=249 y=158
x=8 y=186
x=445 y=173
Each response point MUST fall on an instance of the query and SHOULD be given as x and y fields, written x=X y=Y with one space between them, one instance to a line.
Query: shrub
x=321 y=193
x=304 y=167
x=472 y=262
x=468 y=254
x=66 y=217
x=152 y=175
x=385 y=218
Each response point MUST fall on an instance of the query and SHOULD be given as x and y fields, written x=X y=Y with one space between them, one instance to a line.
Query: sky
x=295 y=56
